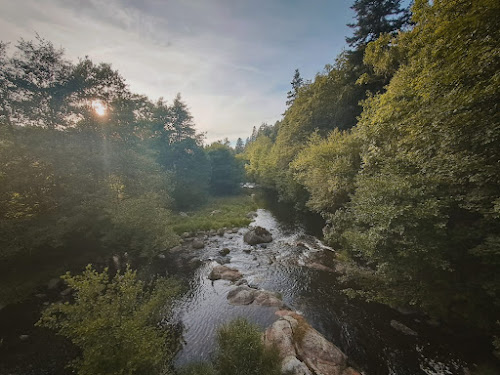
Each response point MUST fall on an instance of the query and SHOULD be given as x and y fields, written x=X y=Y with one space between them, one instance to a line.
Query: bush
x=115 y=323
x=242 y=352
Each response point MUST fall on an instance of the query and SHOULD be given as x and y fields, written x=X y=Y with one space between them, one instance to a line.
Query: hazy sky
x=232 y=60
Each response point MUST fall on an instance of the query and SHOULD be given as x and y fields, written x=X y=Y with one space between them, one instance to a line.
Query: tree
x=191 y=169
x=181 y=122
x=374 y=18
x=424 y=213
x=296 y=83
x=227 y=171
x=115 y=322
x=240 y=147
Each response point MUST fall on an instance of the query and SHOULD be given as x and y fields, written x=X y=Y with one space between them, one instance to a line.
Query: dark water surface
x=288 y=266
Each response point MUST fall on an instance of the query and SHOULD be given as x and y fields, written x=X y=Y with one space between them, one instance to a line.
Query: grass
x=217 y=213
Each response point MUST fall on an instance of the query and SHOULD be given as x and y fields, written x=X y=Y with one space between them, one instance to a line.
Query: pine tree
x=375 y=17
x=239 y=146
x=297 y=83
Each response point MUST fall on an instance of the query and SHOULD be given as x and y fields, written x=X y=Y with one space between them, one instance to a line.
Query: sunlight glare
x=99 y=107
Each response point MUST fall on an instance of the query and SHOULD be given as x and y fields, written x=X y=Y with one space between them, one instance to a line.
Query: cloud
x=230 y=59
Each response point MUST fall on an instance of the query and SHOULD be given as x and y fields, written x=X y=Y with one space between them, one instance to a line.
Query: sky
x=231 y=60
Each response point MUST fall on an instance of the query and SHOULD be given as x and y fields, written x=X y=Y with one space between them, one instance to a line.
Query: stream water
x=290 y=265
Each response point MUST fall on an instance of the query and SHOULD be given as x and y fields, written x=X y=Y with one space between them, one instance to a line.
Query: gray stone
x=402 y=328
x=242 y=295
x=224 y=251
x=257 y=235
x=24 y=337
x=292 y=366
x=295 y=339
x=221 y=232
x=198 y=244
x=225 y=273
x=269 y=299
x=186 y=235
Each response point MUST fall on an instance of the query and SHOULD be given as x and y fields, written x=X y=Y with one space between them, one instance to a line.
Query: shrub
x=115 y=323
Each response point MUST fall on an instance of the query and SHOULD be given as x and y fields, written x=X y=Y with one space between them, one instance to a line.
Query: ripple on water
x=362 y=330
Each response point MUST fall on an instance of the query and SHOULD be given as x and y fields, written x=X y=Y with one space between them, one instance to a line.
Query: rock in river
x=198 y=244
x=224 y=251
x=303 y=349
x=245 y=295
x=257 y=235
x=225 y=273
x=242 y=295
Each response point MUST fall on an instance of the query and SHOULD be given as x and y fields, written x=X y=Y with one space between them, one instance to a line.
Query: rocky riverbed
x=296 y=278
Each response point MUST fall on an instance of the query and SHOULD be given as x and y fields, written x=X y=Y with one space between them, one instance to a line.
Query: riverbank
x=295 y=266
x=29 y=286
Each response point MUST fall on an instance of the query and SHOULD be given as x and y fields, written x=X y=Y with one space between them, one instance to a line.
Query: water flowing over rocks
x=303 y=349
x=309 y=277
x=257 y=235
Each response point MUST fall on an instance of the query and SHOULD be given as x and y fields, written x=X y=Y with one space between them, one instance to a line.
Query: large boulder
x=225 y=273
x=245 y=295
x=303 y=349
x=257 y=235
x=292 y=366
x=269 y=299
x=242 y=295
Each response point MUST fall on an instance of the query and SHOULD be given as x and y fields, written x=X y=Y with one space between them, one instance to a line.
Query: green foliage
x=191 y=170
x=72 y=179
x=327 y=168
x=242 y=352
x=227 y=170
x=218 y=213
x=115 y=322
x=259 y=167
x=423 y=213
x=411 y=192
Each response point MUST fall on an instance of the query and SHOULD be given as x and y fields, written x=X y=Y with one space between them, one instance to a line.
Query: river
x=289 y=265
x=297 y=265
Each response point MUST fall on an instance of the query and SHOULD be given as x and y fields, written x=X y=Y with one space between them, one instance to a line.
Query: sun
x=99 y=107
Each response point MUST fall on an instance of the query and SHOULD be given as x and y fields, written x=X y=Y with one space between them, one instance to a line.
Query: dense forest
x=85 y=162
x=396 y=145
x=90 y=170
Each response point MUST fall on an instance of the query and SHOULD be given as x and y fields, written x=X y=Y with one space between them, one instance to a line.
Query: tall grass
x=217 y=213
